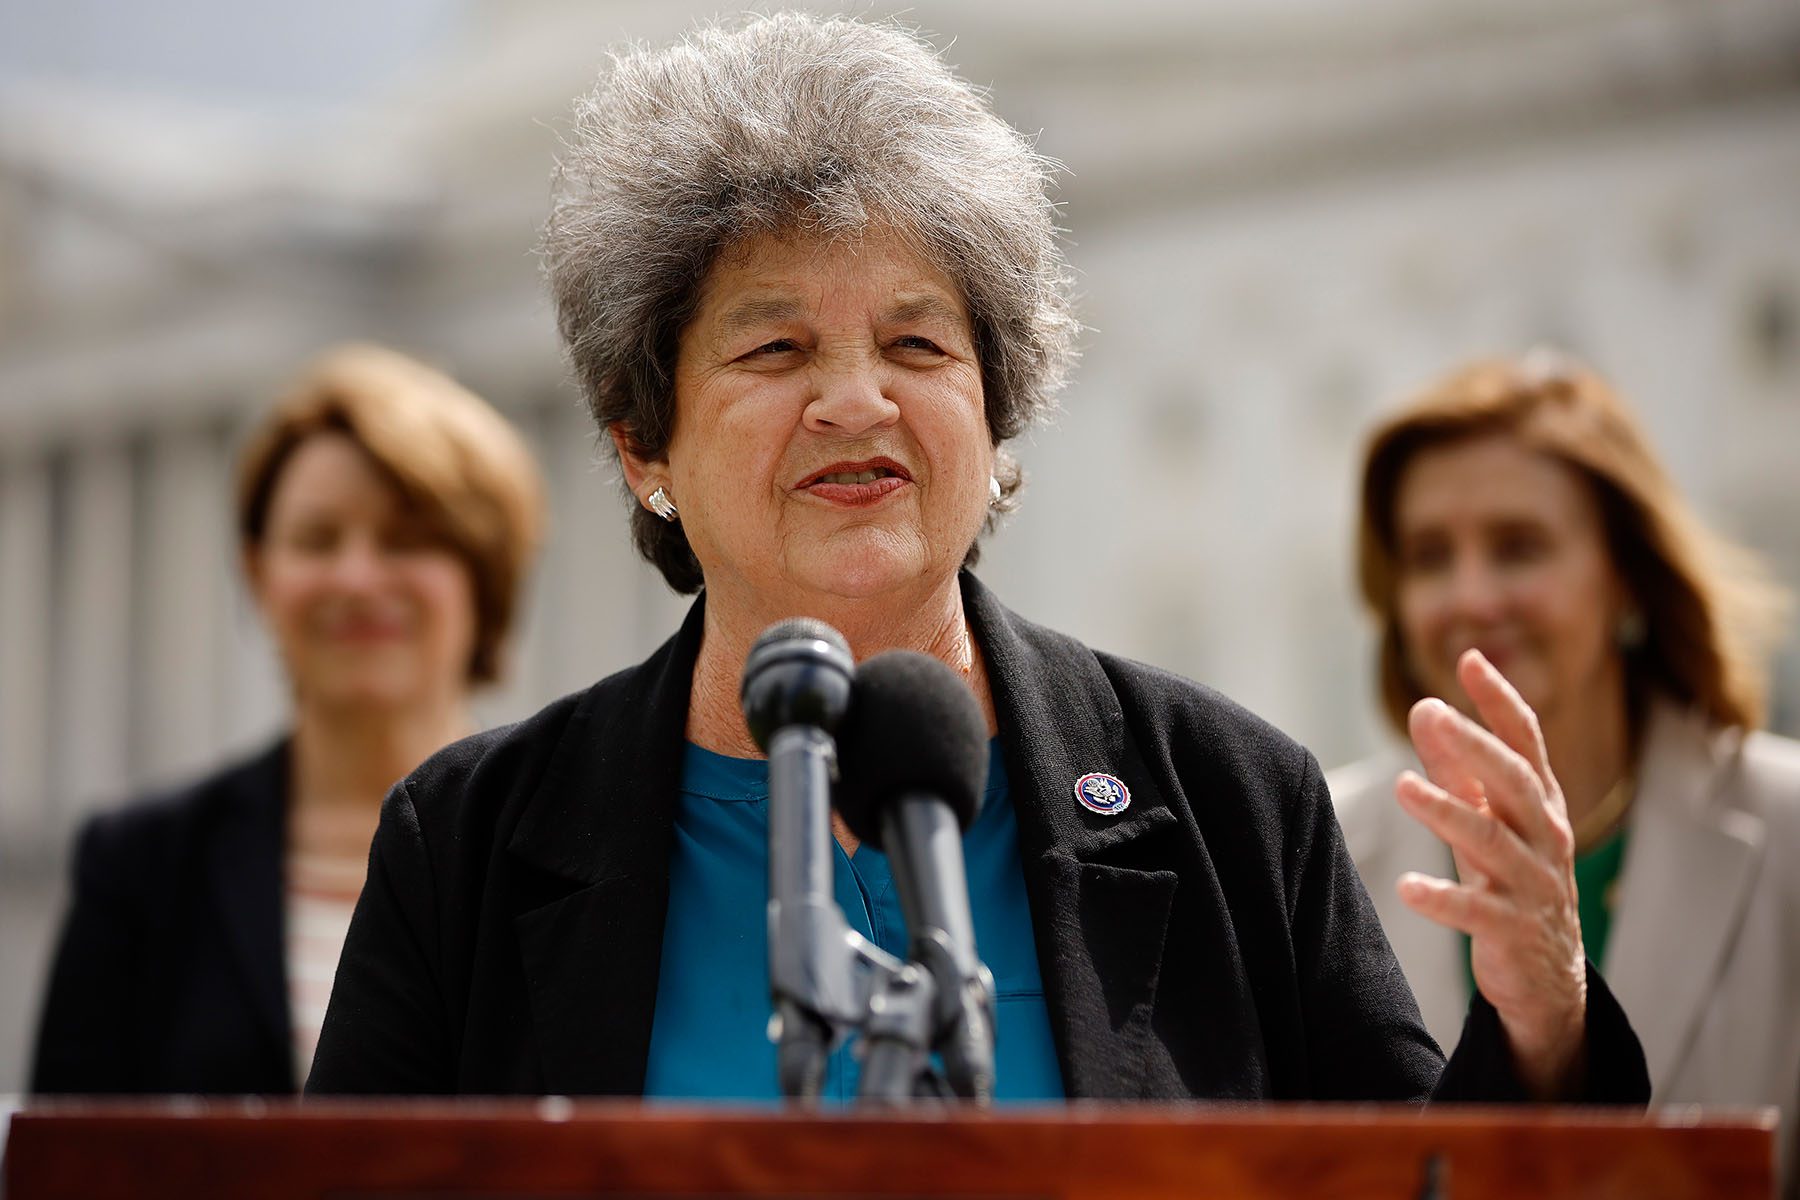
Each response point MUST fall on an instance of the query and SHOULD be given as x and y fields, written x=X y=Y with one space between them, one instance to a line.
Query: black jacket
x=1213 y=940
x=169 y=976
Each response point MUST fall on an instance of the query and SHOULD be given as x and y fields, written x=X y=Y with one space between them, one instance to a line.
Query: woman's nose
x=358 y=563
x=1475 y=588
x=850 y=402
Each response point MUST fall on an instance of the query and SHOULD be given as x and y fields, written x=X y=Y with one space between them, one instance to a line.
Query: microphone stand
x=910 y=1014
x=827 y=980
x=897 y=1068
x=950 y=1009
x=823 y=975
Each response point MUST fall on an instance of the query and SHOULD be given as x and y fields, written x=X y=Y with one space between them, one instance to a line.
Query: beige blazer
x=1704 y=952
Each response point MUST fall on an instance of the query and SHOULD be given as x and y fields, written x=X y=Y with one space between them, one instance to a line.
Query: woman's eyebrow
x=756 y=311
x=914 y=308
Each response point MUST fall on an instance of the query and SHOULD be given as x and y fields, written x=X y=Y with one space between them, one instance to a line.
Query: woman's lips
x=1497 y=653
x=857 y=494
x=359 y=632
x=856 y=484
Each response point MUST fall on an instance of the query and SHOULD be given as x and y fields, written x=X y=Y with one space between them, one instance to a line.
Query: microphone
x=795 y=691
x=914 y=753
x=798 y=673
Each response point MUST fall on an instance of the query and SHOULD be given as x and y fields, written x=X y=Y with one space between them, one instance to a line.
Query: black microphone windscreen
x=913 y=726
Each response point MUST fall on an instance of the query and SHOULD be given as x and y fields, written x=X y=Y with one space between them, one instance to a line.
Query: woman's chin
x=873 y=573
x=369 y=696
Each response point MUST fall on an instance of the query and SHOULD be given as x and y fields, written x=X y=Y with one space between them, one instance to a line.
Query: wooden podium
x=526 y=1150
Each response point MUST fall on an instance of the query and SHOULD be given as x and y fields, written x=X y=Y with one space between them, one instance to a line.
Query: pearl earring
x=660 y=504
x=993 y=491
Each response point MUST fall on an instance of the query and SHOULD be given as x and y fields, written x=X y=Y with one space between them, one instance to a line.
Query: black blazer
x=1211 y=941
x=169 y=976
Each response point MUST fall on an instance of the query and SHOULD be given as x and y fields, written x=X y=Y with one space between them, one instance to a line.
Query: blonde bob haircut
x=453 y=459
x=1711 y=613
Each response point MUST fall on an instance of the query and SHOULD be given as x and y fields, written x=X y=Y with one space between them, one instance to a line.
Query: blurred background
x=1286 y=216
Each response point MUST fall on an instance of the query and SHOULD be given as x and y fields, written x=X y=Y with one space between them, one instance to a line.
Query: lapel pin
x=1104 y=794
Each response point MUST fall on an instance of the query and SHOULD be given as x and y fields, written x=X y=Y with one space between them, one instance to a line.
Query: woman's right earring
x=661 y=505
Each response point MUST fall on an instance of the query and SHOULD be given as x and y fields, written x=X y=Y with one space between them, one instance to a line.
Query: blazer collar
x=611 y=780
x=599 y=823
x=244 y=878
x=1688 y=872
x=1060 y=719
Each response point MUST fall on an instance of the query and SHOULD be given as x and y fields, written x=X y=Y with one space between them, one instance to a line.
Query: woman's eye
x=915 y=342
x=313 y=539
x=1520 y=546
x=407 y=539
x=778 y=346
x=1425 y=556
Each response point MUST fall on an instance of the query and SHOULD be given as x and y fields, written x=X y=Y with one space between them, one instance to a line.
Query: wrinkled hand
x=1492 y=799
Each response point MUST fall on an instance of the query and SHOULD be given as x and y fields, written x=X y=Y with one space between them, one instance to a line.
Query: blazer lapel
x=1100 y=909
x=1687 y=874
x=244 y=875
x=599 y=826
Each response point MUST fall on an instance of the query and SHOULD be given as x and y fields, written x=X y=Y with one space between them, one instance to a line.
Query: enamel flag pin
x=1101 y=793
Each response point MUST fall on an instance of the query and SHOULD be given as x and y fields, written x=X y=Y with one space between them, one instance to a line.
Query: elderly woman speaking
x=810 y=286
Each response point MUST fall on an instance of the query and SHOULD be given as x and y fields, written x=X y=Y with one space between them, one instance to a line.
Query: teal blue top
x=710 y=1039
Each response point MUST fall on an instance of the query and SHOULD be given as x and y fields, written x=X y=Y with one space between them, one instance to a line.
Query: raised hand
x=1491 y=797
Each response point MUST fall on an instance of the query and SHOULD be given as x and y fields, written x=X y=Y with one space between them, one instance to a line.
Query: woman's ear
x=642 y=475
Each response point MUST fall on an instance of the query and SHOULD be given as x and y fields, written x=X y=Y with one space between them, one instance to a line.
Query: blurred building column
x=590 y=613
x=25 y=608
x=90 y=727
x=521 y=689
x=186 y=544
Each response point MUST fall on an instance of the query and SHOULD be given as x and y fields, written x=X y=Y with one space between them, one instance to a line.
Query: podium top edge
x=559 y=1109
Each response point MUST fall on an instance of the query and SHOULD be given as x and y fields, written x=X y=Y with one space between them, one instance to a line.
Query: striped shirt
x=321 y=894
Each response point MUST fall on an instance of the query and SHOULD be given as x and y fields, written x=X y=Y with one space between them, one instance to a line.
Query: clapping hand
x=1490 y=796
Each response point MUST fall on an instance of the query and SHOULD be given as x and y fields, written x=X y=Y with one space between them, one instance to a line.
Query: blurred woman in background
x=386 y=518
x=1517 y=508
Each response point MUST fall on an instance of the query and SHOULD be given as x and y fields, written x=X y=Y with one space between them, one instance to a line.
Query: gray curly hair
x=783 y=123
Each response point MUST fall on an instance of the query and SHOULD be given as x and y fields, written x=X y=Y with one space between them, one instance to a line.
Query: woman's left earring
x=661 y=505
x=993 y=491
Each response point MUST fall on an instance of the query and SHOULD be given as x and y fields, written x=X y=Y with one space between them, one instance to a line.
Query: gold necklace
x=1600 y=820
